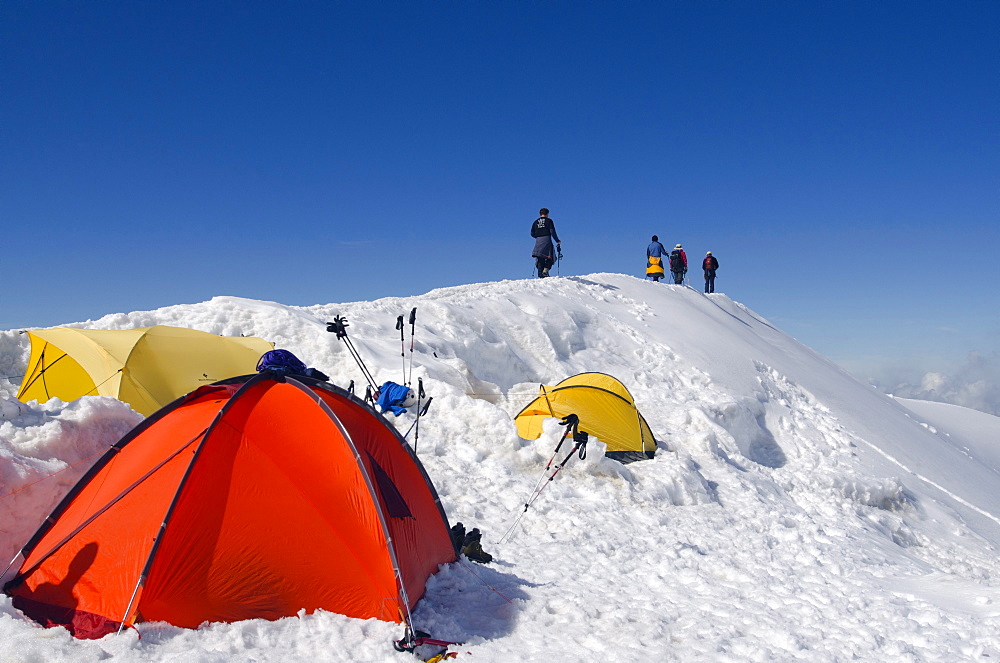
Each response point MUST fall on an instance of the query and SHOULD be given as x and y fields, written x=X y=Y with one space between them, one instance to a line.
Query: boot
x=473 y=548
x=458 y=537
x=475 y=552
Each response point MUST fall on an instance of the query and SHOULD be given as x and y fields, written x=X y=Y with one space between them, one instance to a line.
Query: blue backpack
x=283 y=361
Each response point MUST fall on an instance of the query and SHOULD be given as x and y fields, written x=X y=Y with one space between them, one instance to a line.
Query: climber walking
x=709 y=265
x=654 y=260
x=543 y=229
x=678 y=264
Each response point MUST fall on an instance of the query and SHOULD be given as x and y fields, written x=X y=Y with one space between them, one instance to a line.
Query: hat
x=708 y=253
x=678 y=247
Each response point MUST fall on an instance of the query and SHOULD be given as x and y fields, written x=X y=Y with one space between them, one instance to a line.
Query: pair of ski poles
x=402 y=342
x=580 y=438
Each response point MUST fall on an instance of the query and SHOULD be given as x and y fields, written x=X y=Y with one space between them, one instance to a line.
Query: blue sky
x=841 y=159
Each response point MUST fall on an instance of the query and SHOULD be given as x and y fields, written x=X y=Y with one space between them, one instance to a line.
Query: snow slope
x=791 y=514
x=974 y=433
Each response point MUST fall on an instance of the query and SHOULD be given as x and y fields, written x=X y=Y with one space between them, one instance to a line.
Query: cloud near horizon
x=974 y=384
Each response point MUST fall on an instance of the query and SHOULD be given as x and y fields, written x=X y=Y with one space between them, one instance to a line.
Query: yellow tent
x=146 y=367
x=606 y=411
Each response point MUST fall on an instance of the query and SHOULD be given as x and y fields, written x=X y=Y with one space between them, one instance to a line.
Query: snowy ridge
x=791 y=513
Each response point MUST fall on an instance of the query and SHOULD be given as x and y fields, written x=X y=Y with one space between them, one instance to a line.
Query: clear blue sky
x=842 y=159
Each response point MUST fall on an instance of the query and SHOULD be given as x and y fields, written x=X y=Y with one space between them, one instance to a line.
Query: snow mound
x=791 y=512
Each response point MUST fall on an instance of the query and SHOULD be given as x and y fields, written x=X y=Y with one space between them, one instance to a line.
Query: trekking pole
x=558 y=259
x=571 y=422
x=339 y=327
x=548 y=465
x=402 y=344
x=421 y=412
x=413 y=328
x=420 y=395
x=581 y=438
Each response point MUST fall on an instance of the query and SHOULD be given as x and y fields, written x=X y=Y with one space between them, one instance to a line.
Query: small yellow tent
x=146 y=367
x=606 y=410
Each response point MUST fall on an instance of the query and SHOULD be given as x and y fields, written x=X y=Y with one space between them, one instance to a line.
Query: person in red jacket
x=709 y=265
x=678 y=264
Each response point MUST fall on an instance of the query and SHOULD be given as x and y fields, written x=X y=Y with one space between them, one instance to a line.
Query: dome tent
x=257 y=497
x=606 y=410
x=146 y=367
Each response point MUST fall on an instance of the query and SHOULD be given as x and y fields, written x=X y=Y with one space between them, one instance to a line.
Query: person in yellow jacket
x=654 y=259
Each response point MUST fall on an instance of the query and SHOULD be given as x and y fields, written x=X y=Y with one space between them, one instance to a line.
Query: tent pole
x=41 y=373
x=5 y=571
x=154 y=548
x=128 y=608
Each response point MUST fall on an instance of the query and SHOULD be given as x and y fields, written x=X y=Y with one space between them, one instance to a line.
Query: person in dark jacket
x=678 y=264
x=654 y=259
x=709 y=264
x=543 y=229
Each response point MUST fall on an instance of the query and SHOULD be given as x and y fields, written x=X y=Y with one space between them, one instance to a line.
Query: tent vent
x=391 y=496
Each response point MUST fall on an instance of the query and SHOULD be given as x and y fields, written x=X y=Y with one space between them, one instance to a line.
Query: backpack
x=281 y=361
x=676 y=263
x=284 y=362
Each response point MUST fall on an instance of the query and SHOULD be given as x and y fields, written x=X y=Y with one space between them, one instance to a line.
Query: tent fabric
x=146 y=367
x=606 y=410
x=254 y=498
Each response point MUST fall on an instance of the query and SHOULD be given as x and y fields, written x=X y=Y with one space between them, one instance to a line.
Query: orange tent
x=255 y=497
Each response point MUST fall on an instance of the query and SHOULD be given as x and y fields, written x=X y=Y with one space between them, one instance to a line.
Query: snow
x=973 y=432
x=792 y=513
